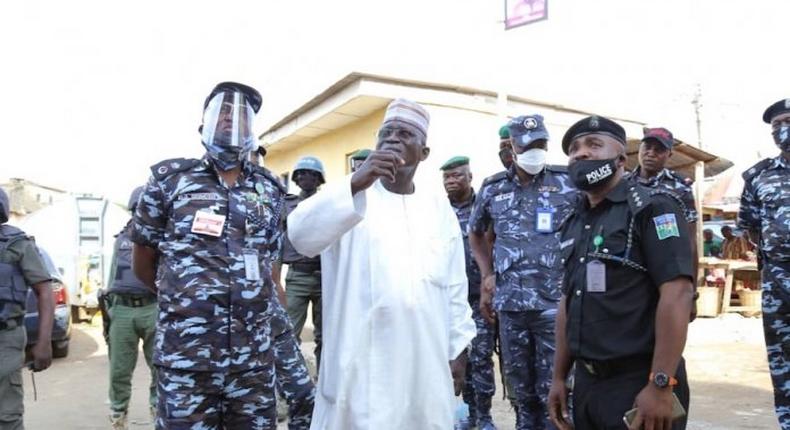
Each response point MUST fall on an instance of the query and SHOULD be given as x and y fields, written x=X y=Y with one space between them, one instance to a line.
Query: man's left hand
x=458 y=370
x=654 y=408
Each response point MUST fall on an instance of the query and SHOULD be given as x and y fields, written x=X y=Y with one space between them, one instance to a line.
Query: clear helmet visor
x=227 y=122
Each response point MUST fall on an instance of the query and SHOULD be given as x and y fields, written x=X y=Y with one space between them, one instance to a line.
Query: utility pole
x=697 y=102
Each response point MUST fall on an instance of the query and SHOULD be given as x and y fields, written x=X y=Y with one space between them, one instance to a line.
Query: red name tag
x=208 y=223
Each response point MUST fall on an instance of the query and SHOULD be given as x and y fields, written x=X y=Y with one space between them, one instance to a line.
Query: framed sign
x=521 y=12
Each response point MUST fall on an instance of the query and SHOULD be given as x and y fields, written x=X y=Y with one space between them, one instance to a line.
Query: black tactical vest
x=13 y=288
x=125 y=282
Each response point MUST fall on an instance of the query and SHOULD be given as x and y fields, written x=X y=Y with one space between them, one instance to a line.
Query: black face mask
x=782 y=137
x=591 y=174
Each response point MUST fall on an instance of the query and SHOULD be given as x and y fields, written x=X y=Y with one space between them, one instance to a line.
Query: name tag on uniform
x=208 y=223
x=596 y=277
x=543 y=220
x=501 y=197
x=252 y=269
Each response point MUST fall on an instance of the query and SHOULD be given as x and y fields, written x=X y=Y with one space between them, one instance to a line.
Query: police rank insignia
x=666 y=226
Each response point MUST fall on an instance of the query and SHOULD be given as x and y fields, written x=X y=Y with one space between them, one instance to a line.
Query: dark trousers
x=527 y=339
x=480 y=385
x=216 y=400
x=599 y=403
x=776 y=325
x=301 y=289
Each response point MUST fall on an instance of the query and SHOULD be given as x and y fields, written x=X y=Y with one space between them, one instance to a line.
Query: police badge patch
x=530 y=123
x=666 y=226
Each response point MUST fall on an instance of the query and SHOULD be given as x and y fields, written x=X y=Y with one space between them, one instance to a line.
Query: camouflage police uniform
x=528 y=278
x=674 y=183
x=479 y=386
x=765 y=209
x=293 y=379
x=302 y=284
x=215 y=363
x=133 y=319
x=20 y=267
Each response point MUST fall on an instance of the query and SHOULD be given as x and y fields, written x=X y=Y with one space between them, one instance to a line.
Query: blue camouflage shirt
x=674 y=183
x=765 y=206
x=212 y=312
x=527 y=220
x=463 y=210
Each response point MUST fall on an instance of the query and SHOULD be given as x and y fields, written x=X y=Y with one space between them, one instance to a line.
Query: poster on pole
x=521 y=12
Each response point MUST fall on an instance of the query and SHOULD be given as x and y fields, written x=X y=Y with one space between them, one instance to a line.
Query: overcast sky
x=99 y=90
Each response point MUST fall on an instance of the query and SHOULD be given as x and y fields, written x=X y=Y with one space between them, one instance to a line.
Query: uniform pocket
x=11 y=404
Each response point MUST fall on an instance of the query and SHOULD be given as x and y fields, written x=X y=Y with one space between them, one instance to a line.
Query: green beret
x=454 y=162
x=504 y=132
x=361 y=154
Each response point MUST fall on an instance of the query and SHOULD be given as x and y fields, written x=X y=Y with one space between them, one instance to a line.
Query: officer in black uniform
x=627 y=292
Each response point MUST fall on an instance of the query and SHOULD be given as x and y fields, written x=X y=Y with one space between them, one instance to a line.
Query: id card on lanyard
x=252 y=268
x=544 y=218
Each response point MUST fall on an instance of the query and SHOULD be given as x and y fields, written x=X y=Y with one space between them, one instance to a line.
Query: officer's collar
x=780 y=162
x=513 y=175
x=619 y=193
x=247 y=168
x=663 y=173
x=465 y=203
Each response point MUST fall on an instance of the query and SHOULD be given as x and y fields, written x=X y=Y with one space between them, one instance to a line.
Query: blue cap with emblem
x=526 y=129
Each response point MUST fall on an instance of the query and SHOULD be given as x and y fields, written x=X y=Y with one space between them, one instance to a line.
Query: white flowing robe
x=395 y=309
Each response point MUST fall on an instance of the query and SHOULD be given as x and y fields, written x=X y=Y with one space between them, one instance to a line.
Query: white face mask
x=532 y=161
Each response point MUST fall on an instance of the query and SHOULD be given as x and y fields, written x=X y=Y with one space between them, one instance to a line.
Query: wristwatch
x=662 y=380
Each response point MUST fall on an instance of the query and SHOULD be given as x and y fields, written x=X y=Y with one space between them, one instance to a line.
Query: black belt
x=608 y=368
x=133 y=301
x=11 y=324
x=305 y=267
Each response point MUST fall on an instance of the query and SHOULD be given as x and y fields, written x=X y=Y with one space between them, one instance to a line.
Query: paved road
x=726 y=361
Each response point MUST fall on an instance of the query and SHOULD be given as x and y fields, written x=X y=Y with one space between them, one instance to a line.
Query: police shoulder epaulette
x=670 y=195
x=639 y=197
x=495 y=177
x=270 y=176
x=685 y=180
x=165 y=168
x=751 y=172
x=558 y=168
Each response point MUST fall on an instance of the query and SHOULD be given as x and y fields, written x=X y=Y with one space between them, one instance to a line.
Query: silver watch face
x=661 y=379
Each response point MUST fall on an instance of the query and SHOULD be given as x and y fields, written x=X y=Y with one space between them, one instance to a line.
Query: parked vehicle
x=77 y=231
x=61 y=328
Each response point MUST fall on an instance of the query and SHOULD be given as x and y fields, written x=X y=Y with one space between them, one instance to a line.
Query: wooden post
x=699 y=179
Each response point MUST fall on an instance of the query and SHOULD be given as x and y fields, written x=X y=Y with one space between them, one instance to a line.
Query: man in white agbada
x=395 y=311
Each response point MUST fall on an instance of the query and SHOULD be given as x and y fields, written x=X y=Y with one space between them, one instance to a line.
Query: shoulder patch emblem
x=666 y=226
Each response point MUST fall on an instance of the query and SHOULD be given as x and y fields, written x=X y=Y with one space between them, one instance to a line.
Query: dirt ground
x=725 y=356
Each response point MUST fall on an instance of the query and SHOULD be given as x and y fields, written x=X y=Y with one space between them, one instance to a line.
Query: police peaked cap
x=778 y=108
x=251 y=94
x=593 y=124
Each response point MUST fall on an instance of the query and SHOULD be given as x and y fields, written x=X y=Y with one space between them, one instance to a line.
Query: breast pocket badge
x=208 y=223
